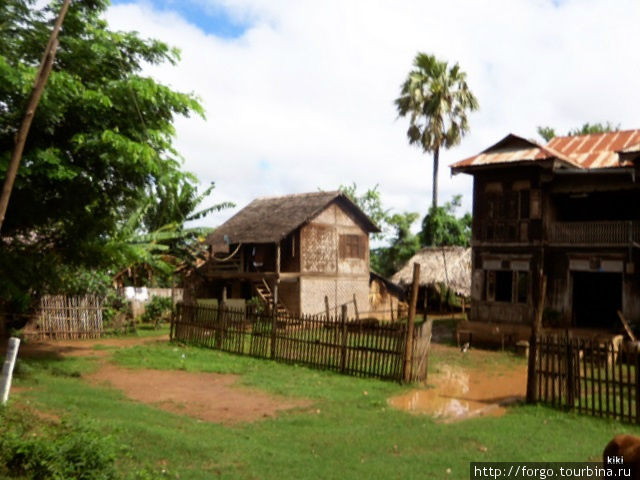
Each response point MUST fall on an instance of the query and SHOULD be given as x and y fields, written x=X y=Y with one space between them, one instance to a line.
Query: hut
x=387 y=300
x=304 y=253
x=440 y=267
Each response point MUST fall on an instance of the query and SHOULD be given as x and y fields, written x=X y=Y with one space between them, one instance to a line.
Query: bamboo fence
x=62 y=317
x=589 y=376
x=366 y=349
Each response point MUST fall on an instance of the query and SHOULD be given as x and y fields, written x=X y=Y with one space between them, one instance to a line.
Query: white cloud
x=304 y=99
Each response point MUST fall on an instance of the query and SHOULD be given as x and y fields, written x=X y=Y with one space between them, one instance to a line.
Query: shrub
x=157 y=310
x=34 y=449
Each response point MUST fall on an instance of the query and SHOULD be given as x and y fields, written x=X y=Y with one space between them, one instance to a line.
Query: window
x=352 y=246
x=501 y=285
x=504 y=286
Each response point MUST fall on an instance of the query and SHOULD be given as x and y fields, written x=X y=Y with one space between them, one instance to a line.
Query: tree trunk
x=21 y=137
x=436 y=160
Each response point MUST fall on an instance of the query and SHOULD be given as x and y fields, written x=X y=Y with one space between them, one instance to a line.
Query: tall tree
x=100 y=145
x=436 y=98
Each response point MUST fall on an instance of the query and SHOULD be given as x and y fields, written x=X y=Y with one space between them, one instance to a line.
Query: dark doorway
x=596 y=299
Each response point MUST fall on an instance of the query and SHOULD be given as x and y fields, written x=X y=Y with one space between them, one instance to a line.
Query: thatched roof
x=447 y=265
x=270 y=219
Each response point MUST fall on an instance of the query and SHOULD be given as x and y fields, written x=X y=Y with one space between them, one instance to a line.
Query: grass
x=349 y=432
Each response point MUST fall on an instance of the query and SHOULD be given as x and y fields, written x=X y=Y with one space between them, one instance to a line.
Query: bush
x=157 y=310
x=34 y=449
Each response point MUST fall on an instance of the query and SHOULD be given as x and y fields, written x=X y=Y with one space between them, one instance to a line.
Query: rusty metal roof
x=600 y=150
x=513 y=149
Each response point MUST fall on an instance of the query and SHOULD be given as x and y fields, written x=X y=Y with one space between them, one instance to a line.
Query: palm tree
x=436 y=98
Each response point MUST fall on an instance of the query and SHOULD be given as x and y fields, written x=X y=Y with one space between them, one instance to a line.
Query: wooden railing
x=506 y=231
x=594 y=233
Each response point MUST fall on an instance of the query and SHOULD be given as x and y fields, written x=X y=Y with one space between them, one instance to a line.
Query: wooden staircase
x=263 y=290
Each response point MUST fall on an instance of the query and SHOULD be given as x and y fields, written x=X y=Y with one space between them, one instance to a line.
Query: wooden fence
x=62 y=317
x=589 y=376
x=365 y=349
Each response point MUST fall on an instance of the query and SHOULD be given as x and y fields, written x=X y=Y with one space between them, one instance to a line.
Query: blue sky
x=211 y=18
x=299 y=93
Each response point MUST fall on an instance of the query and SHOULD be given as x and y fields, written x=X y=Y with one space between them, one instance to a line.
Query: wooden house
x=568 y=211
x=291 y=251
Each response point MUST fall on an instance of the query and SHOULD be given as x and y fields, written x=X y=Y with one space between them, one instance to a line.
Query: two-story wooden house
x=293 y=251
x=568 y=210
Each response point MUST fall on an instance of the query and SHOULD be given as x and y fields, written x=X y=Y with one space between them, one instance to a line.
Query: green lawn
x=347 y=433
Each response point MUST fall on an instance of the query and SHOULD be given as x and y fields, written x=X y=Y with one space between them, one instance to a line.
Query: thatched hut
x=440 y=267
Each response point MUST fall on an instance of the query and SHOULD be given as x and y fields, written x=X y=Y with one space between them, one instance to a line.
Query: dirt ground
x=205 y=396
x=454 y=393
x=457 y=393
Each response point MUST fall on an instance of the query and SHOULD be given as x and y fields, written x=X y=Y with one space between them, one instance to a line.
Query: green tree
x=588 y=128
x=436 y=98
x=440 y=226
x=370 y=203
x=404 y=244
x=101 y=142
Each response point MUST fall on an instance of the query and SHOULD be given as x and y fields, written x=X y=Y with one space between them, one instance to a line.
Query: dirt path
x=206 y=396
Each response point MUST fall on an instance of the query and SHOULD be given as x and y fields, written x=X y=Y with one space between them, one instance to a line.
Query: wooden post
x=326 y=307
x=540 y=288
x=391 y=308
x=426 y=358
x=276 y=281
x=571 y=374
x=412 y=315
x=173 y=322
x=7 y=368
x=355 y=306
x=636 y=351
x=343 y=352
x=220 y=318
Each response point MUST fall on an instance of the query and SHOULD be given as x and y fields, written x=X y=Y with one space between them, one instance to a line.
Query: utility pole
x=46 y=64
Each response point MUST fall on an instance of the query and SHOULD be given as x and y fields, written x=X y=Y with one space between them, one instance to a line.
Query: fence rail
x=365 y=348
x=62 y=317
x=589 y=376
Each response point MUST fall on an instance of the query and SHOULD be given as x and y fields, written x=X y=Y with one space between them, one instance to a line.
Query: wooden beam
x=540 y=288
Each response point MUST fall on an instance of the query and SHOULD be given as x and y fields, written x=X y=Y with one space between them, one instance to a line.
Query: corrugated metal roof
x=598 y=150
x=513 y=149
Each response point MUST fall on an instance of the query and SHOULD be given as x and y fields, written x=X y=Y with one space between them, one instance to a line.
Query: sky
x=299 y=94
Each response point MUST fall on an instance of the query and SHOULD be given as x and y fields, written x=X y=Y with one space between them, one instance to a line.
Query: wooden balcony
x=506 y=231
x=594 y=233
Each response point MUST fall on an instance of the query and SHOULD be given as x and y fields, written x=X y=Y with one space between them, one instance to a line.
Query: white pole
x=7 y=369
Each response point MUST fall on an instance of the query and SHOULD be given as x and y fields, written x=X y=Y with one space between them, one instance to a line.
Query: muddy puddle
x=455 y=394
